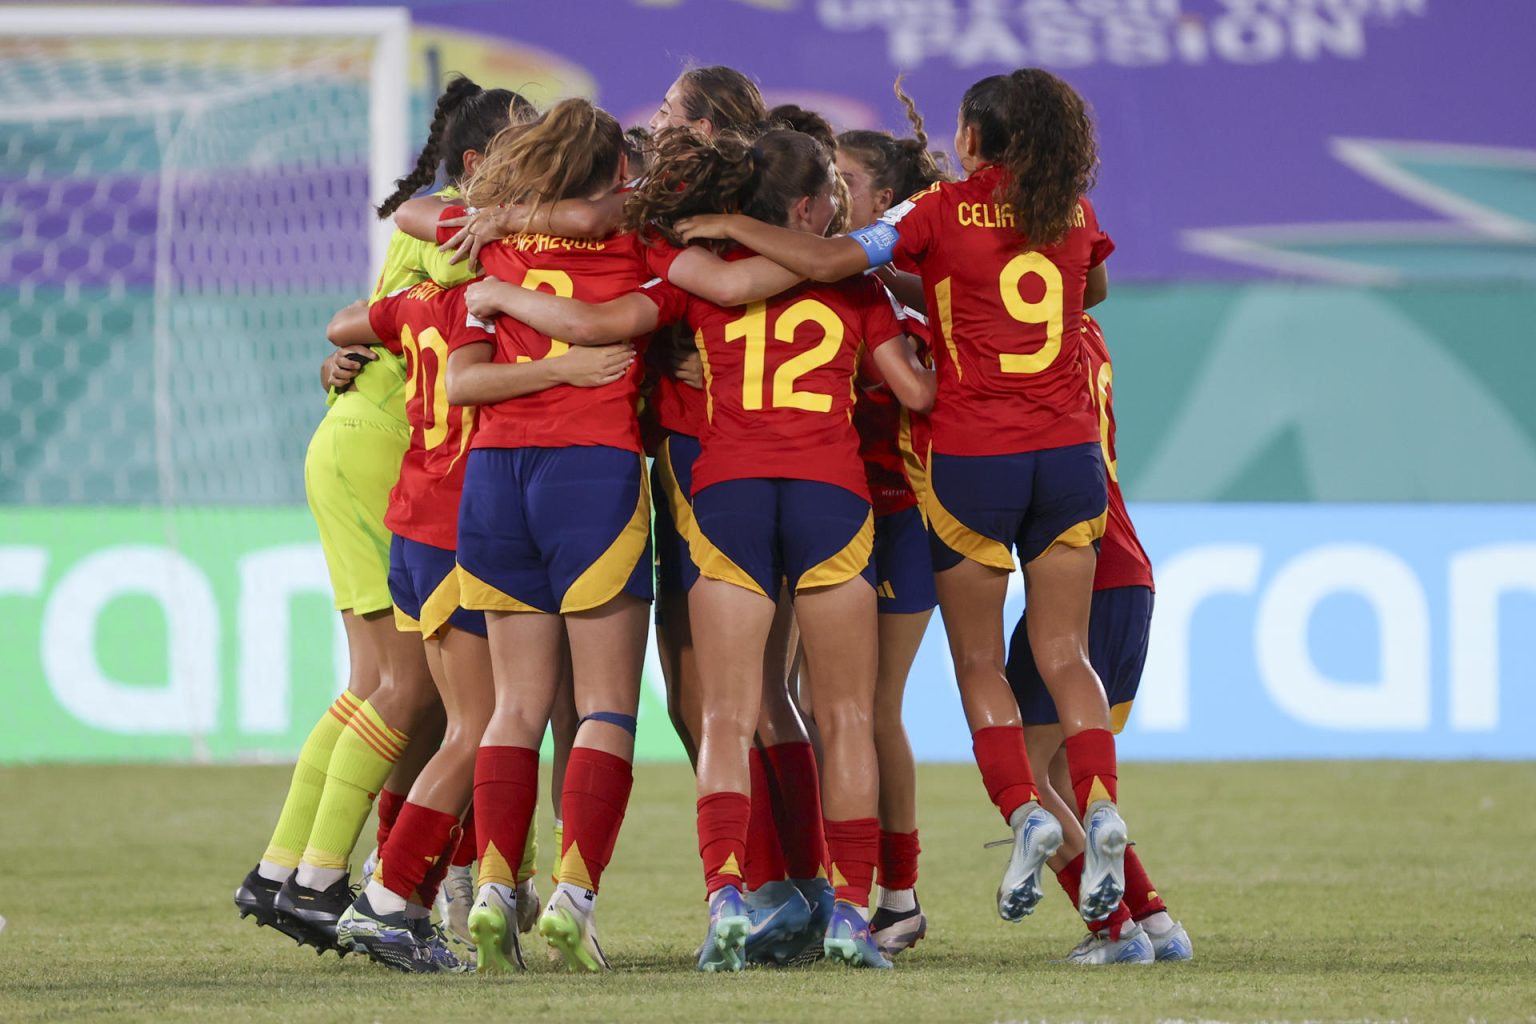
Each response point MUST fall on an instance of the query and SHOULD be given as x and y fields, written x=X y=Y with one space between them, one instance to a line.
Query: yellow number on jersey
x=1047 y=311
x=753 y=329
x=1103 y=386
x=560 y=284
x=435 y=412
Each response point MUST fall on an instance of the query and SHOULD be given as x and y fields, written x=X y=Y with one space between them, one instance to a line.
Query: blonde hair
x=573 y=150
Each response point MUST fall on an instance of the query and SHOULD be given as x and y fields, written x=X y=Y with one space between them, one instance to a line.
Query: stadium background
x=1321 y=316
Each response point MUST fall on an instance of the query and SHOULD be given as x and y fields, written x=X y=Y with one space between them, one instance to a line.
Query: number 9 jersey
x=1012 y=377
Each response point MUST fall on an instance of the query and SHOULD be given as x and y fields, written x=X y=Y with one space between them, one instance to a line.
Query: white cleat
x=1172 y=945
x=491 y=924
x=455 y=897
x=528 y=906
x=1036 y=838
x=1132 y=947
x=370 y=865
x=573 y=932
x=1103 y=861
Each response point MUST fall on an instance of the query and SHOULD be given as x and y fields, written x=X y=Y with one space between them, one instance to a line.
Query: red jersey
x=1011 y=372
x=885 y=427
x=563 y=416
x=1123 y=562
x=779 y=374
x=428 y=322
x=678 y=407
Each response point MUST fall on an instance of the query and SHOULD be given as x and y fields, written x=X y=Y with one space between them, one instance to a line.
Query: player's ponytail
x=424 y=173
x=917 y=165
x=574 y=150
x=1037 y=128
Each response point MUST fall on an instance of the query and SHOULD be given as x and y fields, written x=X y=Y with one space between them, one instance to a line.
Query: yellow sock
x=298 y=814
x=554 y=870
x=360 y=763
x=530 y=865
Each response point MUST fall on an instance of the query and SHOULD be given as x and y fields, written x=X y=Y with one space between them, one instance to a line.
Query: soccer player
x=879 y=169
x=778 y=491
x=1140 y=928
x=362 y=742
x=1008 y=258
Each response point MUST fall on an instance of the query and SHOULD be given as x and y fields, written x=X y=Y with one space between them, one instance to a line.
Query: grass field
x=1361 y=891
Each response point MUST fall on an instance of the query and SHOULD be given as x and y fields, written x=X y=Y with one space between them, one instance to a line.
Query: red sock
x=593 y=800
x=765 y=856
x=1140 y=896
x=1091 y=763
x=506 y=792
x=416 y=844
x=426 y=892
x=389 y=806
x=1004 y=764
x=797 y=809
x=464 y=853
x=854 y=847
x=898 y=859
x=1071 y=879
x=723 y=820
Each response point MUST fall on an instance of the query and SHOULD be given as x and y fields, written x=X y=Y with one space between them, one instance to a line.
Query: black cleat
x=313 y=913
x=255 y=899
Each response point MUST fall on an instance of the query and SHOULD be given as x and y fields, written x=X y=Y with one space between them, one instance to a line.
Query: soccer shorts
x=672 y=487
x=1118 y=630
x=984 y=507
x=350 y=467
x=425 y=588
x=758 y=533
x=553 y=530
x=903 y=564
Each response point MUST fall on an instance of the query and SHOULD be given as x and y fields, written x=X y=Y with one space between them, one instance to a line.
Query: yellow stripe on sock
x=297 y=817
x=360 y=762
x=494 y=867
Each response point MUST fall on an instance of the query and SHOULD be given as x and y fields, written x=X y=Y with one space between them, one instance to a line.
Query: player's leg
x=672 y=480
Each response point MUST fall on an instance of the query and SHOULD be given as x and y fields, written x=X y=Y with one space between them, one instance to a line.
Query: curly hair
x=466 y=117
x=572 y=150
x=905 y=166
x=691 y=173
x=1038 y=129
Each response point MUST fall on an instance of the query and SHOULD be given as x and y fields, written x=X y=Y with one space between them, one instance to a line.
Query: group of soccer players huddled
x=864 y=385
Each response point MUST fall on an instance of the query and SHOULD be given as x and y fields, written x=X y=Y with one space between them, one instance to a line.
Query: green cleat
x=491 y=927
x=573 y=933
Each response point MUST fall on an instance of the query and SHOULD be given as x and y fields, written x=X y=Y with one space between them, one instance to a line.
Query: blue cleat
x=805 y=947
x=388 y=939
x=725 y=943
x=1132 y=947
x=1173 y=945
x=778 y=913
x=1103 y=861
x=1036 y=838
x=848 y=940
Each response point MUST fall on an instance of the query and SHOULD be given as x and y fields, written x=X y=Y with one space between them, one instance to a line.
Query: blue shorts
x=553 y=530
x=425 y=590
x=760 y=533
x=672 y=487
x=985 y=507
x=903 y=565
x=1118 y=629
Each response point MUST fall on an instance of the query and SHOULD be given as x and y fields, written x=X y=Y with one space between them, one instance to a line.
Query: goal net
x=184 y=201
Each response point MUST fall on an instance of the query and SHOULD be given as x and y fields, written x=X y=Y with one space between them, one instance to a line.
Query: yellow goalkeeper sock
x=530 y=865
x=554 y=870
x=360 y=763
x=298 y=814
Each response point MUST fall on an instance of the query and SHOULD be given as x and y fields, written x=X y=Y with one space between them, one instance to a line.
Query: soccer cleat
x=528 y=906
x=848 y=939
x=388 y=939
x=725 y=942
x=1132 y=947
x=806 y=947
x=254 y=898
x=315 y=912
x=896 y=930
x=1173 y=945
x=1103 y=862
x=432 y=935
x=776 y=912
x=497 y=950
x=454 y=898
x=573 y=933
x=1036 y=837
x=370 y=865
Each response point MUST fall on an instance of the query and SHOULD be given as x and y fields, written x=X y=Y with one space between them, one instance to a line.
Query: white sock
x=585 y=899
x=273 y=872
x=899 y=900
x=491 y=892
x=1158 y=924
x=382 y=900
x=320 y=879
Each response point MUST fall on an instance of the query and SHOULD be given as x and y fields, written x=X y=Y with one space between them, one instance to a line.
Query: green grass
x=1380 y=891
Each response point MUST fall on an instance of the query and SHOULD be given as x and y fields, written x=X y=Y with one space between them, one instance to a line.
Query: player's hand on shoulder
x=592 y=366
x=343 y=366
x=481 y=228
x=705 y=225
x=480 y=297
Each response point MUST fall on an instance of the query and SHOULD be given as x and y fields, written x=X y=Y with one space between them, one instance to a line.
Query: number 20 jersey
x=779 y=379
x=1012 y=374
